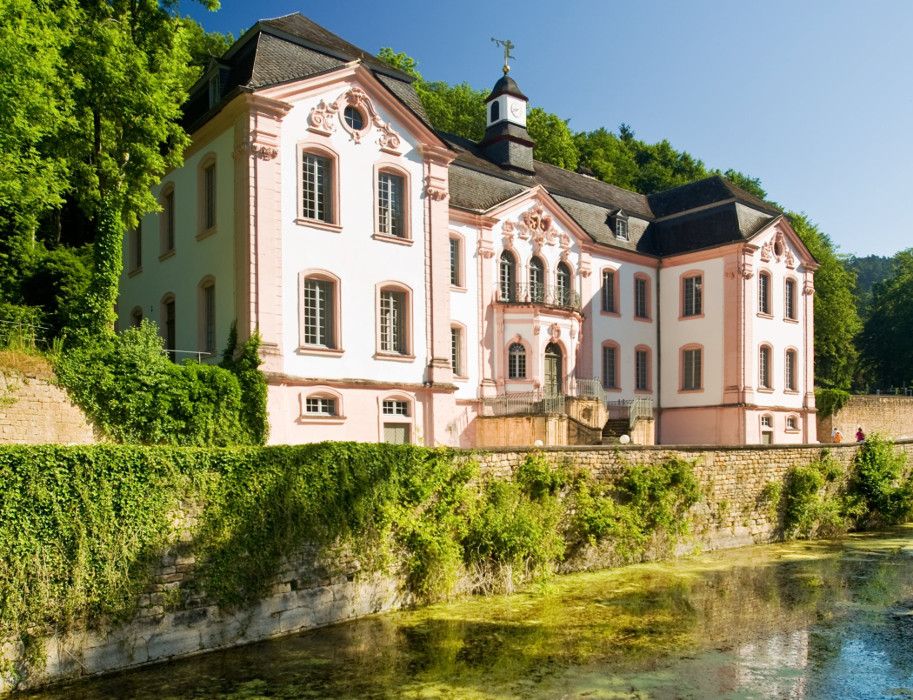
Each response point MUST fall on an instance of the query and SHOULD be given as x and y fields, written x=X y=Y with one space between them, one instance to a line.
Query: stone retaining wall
x=174 y=620
x=36 y=411
x=889 y=416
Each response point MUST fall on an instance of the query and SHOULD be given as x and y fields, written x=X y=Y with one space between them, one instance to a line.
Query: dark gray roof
x=703 y=229
x=506 y=86
x=701 y=193
x=292 y=47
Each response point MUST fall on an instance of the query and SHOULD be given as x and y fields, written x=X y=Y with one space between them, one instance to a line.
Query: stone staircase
x=614 y=429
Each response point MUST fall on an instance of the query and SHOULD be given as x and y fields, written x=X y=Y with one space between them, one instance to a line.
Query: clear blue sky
x=813 y=97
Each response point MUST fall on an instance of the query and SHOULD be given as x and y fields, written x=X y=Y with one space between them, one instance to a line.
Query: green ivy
x=82 y=528
x=829 y=401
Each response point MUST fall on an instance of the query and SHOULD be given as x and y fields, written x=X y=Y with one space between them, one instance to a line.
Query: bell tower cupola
x=506 y=141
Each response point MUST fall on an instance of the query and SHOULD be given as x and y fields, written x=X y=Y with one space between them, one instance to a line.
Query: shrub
x=878 y=479
x=135 y=394
x=829 y=401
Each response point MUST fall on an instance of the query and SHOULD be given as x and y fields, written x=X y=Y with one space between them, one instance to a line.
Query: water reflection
x=811 y=620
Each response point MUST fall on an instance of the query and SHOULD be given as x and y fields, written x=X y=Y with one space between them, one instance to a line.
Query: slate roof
x=702 y=193
x=282 y=49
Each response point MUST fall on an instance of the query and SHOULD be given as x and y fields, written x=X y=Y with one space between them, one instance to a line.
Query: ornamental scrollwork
x=808 y=289
x=320 y=119
x=746 y=270
x=435 y=188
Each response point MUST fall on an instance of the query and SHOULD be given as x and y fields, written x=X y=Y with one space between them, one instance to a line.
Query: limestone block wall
x=890 y=416
x=175 y=619
x=34 y=410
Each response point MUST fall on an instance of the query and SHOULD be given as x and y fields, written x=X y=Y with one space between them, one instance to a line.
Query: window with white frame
x=208 y=316
x=320 y=406
x=792 y=423
x=767 y=432
x=642 y=370
x=608 y=292
x=456 y=277
x=789 y=300
x=610 y=366
x=621 y=228
x=536 y=280
x=390 y=204
x=393 y=322
x=692 y=361
x=766 y=422
x=319 y=306
x=507 y=277
x=764 y=367
x=516 y=361
x=764 y=293
x=395 y=407
x=316 y=187
x=692 y=293
x=563 y=285
x=456 y=350
x=641 y=298
x=789 y=370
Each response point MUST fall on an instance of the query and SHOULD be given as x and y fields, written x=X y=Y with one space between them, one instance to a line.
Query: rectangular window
x=693 y=293
x=641 y=307
x=764 y=293
x=209 y=318
x=209 y=196
x=641 y=370
x=691 y=379
x=392 y=407
x=764 y=368
x=320 y=406
x=516 y=362
x=765 y=422
x=455 y=262
x=318 y=313
x=789 y=300
x=390 y=204
x=621 y=229
x=392 y=322
x=169 y=221
x=456 y=351
x=316 y=188
x=610 y=367
x=792 y=423
x=608 y=291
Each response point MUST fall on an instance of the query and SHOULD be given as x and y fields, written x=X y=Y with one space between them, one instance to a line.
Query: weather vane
x=507 y=45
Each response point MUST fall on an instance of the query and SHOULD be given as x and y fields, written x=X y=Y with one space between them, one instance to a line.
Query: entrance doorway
x=554 y=370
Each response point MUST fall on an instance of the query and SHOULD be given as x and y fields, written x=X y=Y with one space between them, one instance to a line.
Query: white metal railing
x=175 y=355
x=641 y=407
x=523 y=403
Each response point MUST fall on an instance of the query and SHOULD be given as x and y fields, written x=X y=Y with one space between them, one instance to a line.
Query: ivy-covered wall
x=114 y=556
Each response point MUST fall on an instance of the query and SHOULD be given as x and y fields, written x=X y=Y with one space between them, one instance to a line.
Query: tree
x=887 y=338
x=554 y=141
x=837 y=322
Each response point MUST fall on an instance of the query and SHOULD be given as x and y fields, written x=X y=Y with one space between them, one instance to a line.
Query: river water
x=801 y=620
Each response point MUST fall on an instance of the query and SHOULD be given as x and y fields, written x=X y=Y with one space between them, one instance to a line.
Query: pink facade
x=406 y=282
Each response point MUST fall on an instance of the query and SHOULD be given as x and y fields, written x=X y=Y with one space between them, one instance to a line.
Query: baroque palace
x=411 y=286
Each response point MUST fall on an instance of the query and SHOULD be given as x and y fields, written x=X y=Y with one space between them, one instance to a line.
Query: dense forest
x=91 y=104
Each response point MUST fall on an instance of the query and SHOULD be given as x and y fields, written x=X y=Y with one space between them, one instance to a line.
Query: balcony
x=551 y=296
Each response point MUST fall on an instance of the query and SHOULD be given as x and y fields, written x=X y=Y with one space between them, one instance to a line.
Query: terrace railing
x=544 y=294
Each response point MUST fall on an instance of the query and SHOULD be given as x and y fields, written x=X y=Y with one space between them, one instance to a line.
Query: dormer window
x=621 y=227
x=215 y=90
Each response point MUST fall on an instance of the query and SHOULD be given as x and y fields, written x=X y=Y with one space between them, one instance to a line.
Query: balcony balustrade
x=544 y=294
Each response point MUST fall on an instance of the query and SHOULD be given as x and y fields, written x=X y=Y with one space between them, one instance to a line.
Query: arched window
x=317 y=175
x=764 y=377
x=536 y=280
x=764 y=293
x=495 y=111
x=392 y=219
x=394 y=321
x=642 y=304
x=554 y=370
x=610 y=353
x=136 y=317
x=507 y=276
x=792 y=424
x=516 y=361
x=767 y=429
x=563 y=289
x=789 y=370
x=396 y=420
x=642 y=373
x=318 y=311
x=457 y=352
x=206 y=195
x=692 y=361
x=789 y=300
